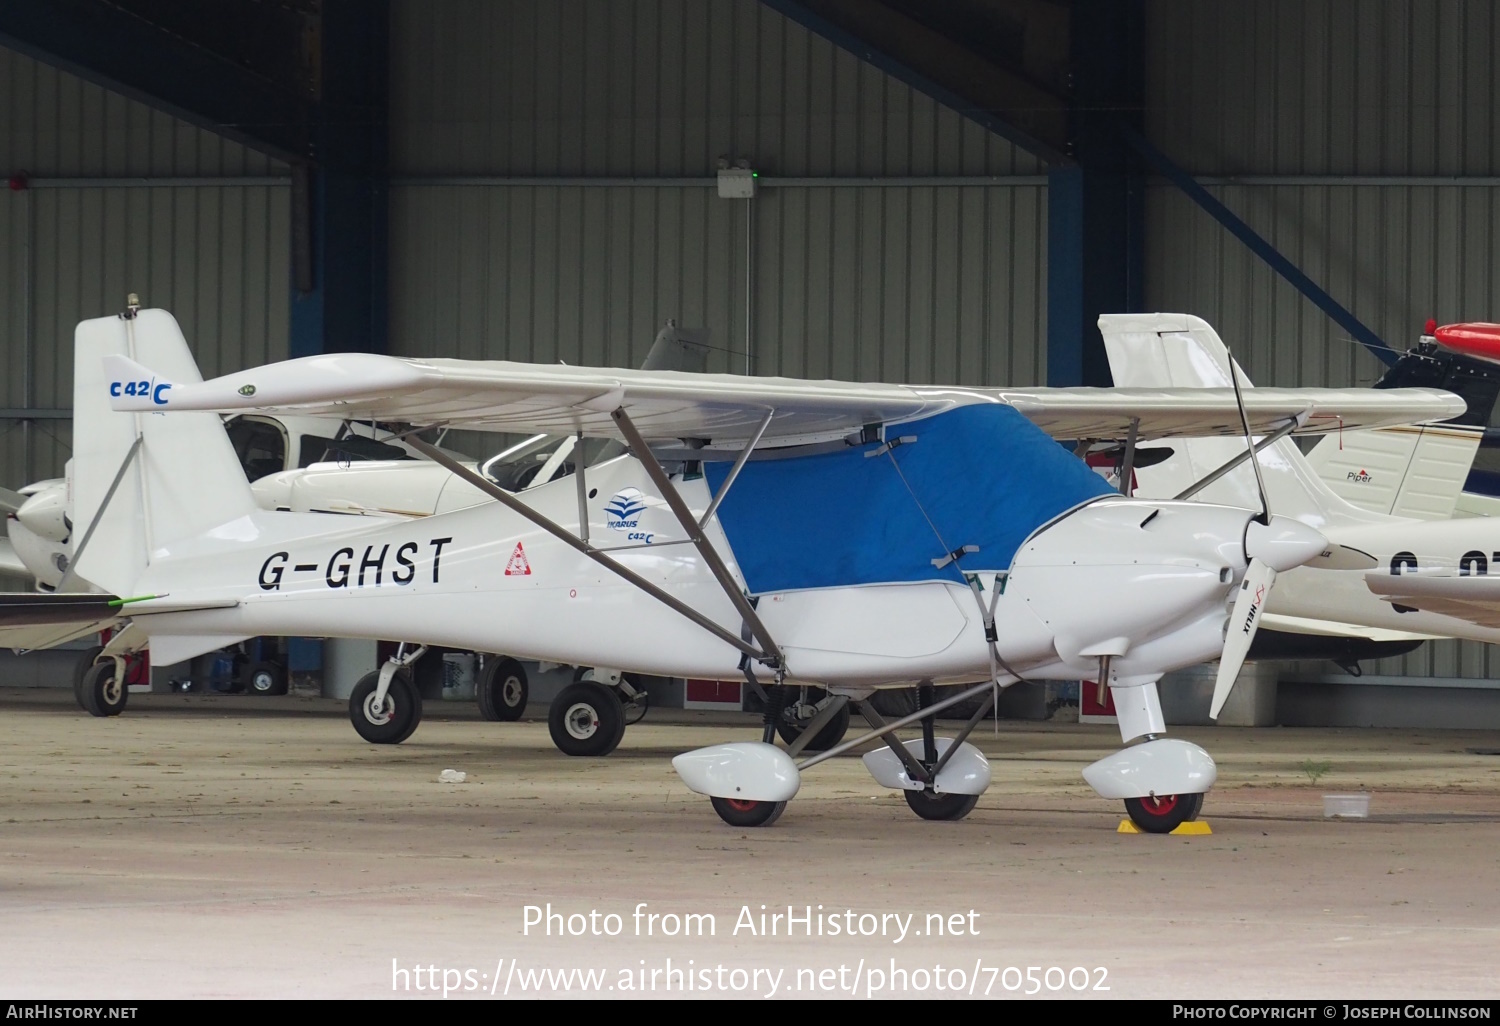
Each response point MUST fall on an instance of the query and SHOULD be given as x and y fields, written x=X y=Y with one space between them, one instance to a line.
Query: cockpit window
x=261 y=447
x=354 y=448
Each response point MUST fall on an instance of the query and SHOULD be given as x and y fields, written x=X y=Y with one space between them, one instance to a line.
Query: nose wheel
x=1161 y=814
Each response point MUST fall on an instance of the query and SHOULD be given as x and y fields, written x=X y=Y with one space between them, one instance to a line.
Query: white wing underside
x=1474 y=599
x=724 y=410
x=1337 y=629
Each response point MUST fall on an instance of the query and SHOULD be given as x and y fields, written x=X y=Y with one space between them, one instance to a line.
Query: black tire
x=85 y=661
x=1163 y=813
x=265 y=678
x=1195 y=807
x=503 y=690
x=636 y=706
x=832 y=733
x=586 y=719
x=748 y=814
x=103 y=694
x=941 y=806
x=402 y=712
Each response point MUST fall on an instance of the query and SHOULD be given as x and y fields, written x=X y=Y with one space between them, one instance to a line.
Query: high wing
x=724 y=410
x=1472 y=598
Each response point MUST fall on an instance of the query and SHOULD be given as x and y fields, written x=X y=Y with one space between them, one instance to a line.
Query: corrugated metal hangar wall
x=206 y=237
x=910 y=243
x=886 y=260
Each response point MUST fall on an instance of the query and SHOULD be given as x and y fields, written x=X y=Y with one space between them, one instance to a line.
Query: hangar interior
x=940 y=195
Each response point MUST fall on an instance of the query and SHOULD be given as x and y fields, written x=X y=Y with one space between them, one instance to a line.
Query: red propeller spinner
x=1474 y=339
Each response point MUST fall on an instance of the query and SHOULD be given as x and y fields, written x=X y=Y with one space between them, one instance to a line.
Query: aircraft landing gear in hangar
x=587 y=718
x=1160 y=779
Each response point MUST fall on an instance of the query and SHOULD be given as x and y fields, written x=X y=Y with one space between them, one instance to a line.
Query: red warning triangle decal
x=518 y=567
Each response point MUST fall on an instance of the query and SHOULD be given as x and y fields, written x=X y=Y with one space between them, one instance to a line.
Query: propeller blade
x=1243 y=623
x=11 y=501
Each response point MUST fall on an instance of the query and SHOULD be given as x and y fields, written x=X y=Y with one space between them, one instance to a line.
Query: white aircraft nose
x=1283 y=544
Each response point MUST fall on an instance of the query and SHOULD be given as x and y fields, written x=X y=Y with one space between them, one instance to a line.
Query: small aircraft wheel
x=103 y=693
x=266 y=678
x=929 y=805
x=790 y=728
x=395 y=721
x=502 y=690
x=634 y=707
x=1161 y=814
x=748 y=814
x=80 y=670
x=1195 y=806
x=586 y=719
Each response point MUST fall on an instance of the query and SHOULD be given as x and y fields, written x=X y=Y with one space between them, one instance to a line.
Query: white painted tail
x=1182 y=351
x=183 y=482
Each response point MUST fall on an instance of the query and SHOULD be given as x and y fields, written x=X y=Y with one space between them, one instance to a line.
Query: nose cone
x=1283 y=544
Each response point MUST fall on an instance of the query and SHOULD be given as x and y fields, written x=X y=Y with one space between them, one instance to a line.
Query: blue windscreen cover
x=977 y=475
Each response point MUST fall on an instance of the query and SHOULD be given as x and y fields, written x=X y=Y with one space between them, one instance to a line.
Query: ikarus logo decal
x=623 y=513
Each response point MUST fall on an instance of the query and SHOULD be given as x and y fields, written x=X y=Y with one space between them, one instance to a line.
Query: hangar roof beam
x=245 y=71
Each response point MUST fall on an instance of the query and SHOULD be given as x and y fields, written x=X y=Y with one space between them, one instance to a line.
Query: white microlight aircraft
x=852 y=536
x=1421 y=578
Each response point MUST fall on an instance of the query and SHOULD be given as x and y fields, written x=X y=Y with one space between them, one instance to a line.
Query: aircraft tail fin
x=679 y=349
x=1416 y=471
x=143 y=481
x=1182 y=351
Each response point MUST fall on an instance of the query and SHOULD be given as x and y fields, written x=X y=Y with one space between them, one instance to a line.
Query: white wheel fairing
x=968 y=772
x=1165 y=766
x=742 y=770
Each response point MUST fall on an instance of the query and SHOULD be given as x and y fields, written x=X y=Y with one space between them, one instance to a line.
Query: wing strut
x=562 y=534
x=711 y=558
x=1275 y=436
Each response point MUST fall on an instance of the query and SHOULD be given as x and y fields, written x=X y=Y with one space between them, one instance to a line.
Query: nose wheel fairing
x=1158 y=768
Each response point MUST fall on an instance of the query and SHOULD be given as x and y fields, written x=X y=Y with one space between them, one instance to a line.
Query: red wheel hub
x=1159 y=805
x=740 y=805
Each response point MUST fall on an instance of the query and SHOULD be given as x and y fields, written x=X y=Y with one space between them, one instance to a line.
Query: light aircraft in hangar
x=1416 y=579
x=784 y=532
x=340 y=467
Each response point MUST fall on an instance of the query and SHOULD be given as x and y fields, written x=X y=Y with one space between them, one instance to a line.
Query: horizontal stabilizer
x=36 y=610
